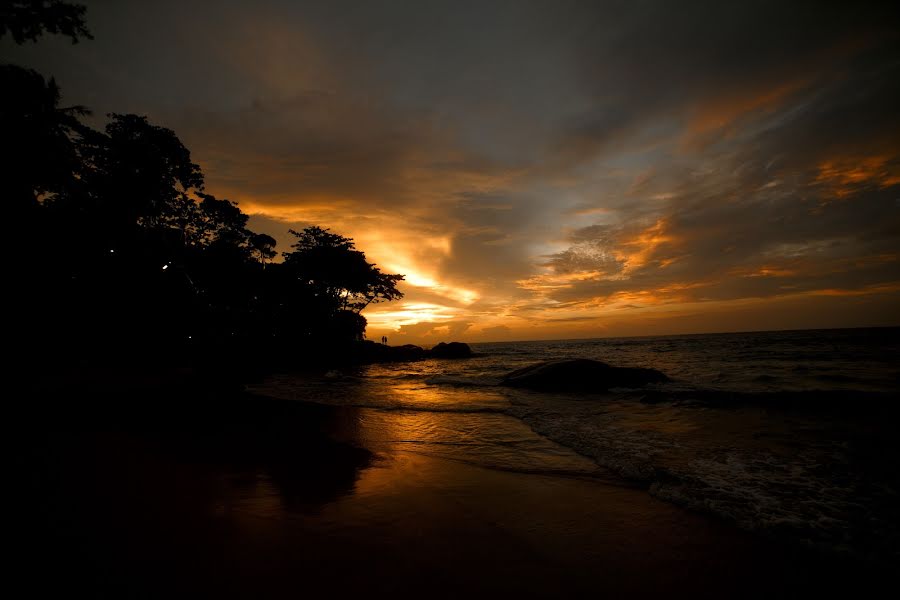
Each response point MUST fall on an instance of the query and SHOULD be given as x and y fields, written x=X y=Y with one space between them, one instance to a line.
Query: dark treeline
x=116 y=246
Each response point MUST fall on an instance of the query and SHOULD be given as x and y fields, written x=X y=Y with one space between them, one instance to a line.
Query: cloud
x=429 y=332
x=542 y=169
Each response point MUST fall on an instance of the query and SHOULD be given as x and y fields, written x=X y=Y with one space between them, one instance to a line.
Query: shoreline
x=239 y=494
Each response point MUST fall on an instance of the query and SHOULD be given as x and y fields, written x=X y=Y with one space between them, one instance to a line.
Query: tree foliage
x=124 y=242
x=140 y=173
x=28 y=20
x=148 y=250
x=331 y=266
x=262 y=247
x=39 y=153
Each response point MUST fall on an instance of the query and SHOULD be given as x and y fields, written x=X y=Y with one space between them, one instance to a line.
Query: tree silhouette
x=334 y=270
x=135 y=252
x=30 y=19
x=263 y=247
x=40 y=157
x=142 y=174
x=219 y=221
x=136 y=189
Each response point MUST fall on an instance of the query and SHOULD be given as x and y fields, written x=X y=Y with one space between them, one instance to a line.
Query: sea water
x=789 y=434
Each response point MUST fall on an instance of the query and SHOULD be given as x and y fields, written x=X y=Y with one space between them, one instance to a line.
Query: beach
x=229 y=494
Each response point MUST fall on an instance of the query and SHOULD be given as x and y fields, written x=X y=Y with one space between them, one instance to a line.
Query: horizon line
x=625 y=337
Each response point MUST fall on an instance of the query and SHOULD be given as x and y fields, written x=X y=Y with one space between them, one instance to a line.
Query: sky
x=539 y=170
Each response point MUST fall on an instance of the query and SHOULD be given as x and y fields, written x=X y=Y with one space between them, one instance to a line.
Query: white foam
x=812 y=496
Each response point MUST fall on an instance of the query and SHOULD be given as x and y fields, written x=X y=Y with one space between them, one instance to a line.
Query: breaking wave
x=788 y=434
x=807 y=491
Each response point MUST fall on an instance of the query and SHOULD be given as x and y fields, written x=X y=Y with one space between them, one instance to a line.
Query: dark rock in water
x=407 y=352
x=370 y=352
x=451 y=350
x=580 y=375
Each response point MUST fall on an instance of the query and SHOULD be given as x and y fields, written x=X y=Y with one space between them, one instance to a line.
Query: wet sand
x=256 y=497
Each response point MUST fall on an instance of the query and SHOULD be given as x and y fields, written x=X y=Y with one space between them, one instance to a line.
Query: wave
x=413 y=407
x=622 y=453
x=798 y=476
x=851 y=400
x=814 y=495
x=463 y=381
x=596 y=474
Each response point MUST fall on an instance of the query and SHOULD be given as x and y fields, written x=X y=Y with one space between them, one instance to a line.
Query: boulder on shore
x=580 y=375
x=451 y=350
x=367 y=352
x=406 y=352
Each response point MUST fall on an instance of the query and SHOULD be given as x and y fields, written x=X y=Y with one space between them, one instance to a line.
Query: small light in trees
x=165 y=266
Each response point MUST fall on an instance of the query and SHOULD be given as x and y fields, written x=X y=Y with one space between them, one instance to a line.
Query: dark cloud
x=533 y=165
x=646 y=60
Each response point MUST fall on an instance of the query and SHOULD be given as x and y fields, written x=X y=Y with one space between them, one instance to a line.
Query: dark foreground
x=173 y=487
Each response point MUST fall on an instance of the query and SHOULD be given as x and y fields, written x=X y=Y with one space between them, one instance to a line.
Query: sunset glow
x=531 y=185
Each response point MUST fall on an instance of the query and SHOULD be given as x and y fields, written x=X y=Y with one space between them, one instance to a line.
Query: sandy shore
x=255 y=497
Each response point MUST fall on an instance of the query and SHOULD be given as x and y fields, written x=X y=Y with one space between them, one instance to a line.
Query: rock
x=451 y=350
x=368 y=351
x=580 y=375
x=406 y=352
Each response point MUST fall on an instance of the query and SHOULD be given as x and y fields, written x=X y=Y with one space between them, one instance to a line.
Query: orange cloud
x=393 y=316
x=556 y=281
x=763 y=271
x=637 y=251
x=885 y=288
x=845 y=175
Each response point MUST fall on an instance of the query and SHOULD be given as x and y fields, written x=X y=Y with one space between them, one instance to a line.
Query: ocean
x=789 y=434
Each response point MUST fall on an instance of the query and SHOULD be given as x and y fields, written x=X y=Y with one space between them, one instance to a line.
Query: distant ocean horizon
x=682 y=334
x=790 y=434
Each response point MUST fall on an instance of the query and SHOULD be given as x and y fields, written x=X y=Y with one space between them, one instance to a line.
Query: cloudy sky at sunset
x=540 y=169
